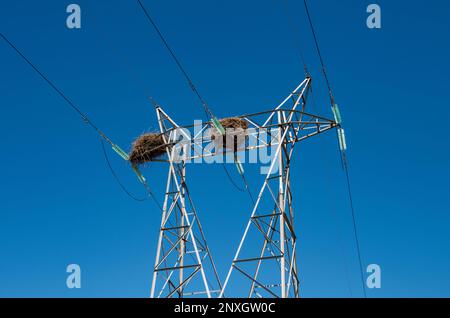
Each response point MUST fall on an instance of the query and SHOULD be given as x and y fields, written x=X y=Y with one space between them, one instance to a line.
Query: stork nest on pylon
x=235 y=134
x=147 y=147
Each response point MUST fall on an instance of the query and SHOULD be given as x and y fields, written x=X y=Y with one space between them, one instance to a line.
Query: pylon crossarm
x=201 y=145
x=196 y=139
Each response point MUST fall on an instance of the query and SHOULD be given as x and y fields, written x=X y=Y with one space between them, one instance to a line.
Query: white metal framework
x=184 y=266
x=271 y=270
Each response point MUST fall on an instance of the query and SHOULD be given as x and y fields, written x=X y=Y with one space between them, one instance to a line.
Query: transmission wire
x=206 y=108
x=84 y=117
x=115 y=174
x=343 y=154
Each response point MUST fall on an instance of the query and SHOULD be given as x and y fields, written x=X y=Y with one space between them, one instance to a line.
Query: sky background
x=59 y=203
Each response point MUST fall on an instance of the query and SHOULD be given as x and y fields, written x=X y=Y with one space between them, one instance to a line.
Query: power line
x=177 y=61
x=343 y=155
x=73 y=106
x=292 y=25
x=335 y=217
x=352 y=208
x=116 y=177
x=324 y=71
x=209 y=114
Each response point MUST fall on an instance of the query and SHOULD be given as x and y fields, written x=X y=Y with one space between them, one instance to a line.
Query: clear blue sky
x=59 y=203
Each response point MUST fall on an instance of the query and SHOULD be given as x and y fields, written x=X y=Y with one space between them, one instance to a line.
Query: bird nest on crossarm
x=147 y=147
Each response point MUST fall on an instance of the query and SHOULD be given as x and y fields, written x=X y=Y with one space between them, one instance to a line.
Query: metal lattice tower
x=270 y=270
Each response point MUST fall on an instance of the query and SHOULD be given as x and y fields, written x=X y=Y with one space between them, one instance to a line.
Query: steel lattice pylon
x=271 y=270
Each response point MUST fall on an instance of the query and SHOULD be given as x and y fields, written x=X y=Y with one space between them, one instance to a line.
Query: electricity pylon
x=183 y=259
x=271 y=269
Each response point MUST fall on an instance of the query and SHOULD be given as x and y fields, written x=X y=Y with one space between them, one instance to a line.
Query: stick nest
x=146 y=148
x=234 y=122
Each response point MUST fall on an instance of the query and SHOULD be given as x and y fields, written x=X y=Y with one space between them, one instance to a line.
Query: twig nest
x=146 y=148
